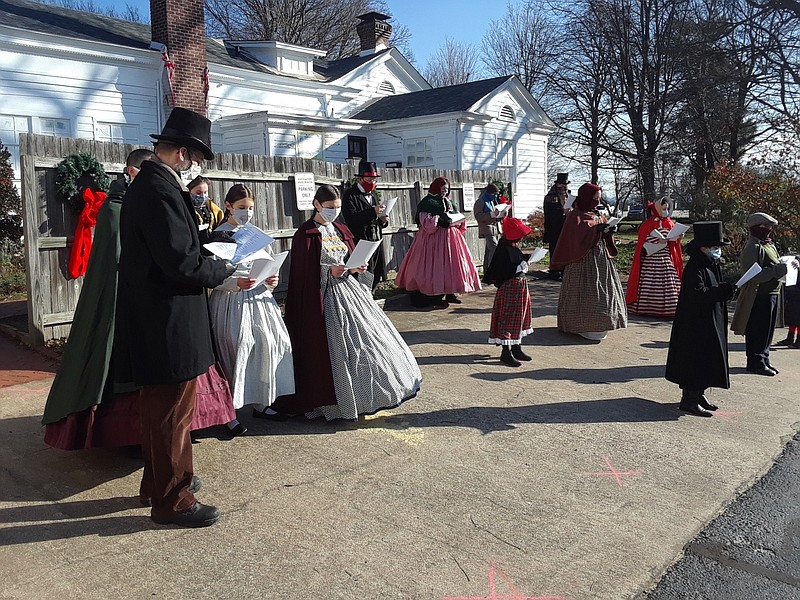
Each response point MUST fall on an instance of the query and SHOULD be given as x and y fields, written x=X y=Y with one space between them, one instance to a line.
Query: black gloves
x=606 y=228
x=444 y=222
x=726 y=290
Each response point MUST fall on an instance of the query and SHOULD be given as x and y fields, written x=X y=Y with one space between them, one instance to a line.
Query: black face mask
x=761 y=232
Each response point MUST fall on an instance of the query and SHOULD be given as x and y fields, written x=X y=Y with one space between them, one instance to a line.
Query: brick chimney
x=180 y=25
x=374 y=32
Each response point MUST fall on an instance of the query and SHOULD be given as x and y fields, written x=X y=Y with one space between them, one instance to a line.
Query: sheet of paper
x=456 y=217
x=537 y=255
x=388 y=206
x=500 y=210
x=569 y=201
x=614 y=221
x=651 y=247
x=749 y=274
x=361 y=254
x=249 y=239
x=224 y=250
x=264 y=268
x=677 y=231
x=791 y=274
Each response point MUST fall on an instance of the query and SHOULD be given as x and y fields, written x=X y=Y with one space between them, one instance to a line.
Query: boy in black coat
x=698 y=346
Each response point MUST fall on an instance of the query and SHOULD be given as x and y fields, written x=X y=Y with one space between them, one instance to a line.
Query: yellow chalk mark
x=397 y=428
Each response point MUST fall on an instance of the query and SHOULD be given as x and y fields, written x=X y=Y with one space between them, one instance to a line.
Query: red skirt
x=511 y=313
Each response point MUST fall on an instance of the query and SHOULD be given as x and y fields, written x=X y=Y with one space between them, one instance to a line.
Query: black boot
x=452 y=299
x=690 y=402
x=516 y=352
x=790 y=340
x=704 y=403
x=507 y=359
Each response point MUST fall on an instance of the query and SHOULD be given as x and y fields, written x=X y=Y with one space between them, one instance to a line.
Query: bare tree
x=325 y=24
x=523 y=43
x=453 y=63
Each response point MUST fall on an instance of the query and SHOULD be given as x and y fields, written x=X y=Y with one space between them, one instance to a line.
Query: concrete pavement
x=574 y=476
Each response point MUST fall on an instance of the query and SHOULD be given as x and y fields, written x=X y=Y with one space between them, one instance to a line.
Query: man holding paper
x=489 y=213
x=759 y=298
x=366 y=217
x=655 y=279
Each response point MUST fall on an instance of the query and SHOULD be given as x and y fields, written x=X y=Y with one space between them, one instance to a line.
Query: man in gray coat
x=162 y=316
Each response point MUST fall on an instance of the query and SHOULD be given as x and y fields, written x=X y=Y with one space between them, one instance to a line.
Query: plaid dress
x=591 y=297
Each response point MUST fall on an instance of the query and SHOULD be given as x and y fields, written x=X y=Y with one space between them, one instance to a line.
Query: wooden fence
x=49 y=224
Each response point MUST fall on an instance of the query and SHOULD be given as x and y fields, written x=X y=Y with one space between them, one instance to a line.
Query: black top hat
x=367 y=169
x=187 y=128
x=562 y=178
x=708 y=234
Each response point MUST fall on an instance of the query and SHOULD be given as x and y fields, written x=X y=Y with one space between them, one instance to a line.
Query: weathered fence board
x=49 y=223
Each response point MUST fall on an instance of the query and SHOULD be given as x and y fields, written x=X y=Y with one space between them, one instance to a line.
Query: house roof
x=454 y=98
x=57 y=20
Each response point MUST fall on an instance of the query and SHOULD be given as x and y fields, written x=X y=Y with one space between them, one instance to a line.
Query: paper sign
x=264 y=268
x=749 y=274
x=468 y=194
x=677 y=231
x=388 y=206
x=791 y=273
x=249 y=239
x=304 y=190
x=537 y=255
x=361 y=254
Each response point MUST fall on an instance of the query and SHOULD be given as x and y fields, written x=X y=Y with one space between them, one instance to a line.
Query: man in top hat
x=554 y=215
x=698 y=345
x=162 y=323
x=759 y=299
x=362 y=212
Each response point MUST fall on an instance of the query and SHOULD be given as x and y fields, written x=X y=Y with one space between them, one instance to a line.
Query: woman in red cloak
x=655 y=279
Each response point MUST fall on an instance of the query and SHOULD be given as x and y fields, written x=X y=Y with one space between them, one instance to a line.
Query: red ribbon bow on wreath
x=82 y=245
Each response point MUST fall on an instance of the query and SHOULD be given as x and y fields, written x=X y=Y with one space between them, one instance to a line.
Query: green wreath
x=77 y=172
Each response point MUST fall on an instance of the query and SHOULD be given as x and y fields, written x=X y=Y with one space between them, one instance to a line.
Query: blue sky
x=430 y=21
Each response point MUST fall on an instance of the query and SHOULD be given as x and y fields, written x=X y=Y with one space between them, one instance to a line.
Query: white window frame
x=506 y=153
x=418 y=152
x=50 y=126
x=118 y=132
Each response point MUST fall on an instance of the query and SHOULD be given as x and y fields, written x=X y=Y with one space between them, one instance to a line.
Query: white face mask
x=189 y=174
x=714 y=253
x=329 y=214
x=243 y=215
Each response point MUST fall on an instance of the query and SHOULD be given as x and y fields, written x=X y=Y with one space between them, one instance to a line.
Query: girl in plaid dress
x=511 y=313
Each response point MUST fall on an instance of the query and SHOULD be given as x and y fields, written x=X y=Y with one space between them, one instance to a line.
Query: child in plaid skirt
x=511 y=313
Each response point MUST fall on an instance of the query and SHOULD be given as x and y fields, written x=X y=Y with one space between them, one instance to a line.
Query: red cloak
x=306 y=323
x=578 y=236
x=675 y=255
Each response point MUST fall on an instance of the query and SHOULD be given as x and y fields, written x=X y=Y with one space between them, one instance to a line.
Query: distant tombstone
x=304 y=189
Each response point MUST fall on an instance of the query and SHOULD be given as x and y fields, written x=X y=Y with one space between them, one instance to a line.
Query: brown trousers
x=166 y=413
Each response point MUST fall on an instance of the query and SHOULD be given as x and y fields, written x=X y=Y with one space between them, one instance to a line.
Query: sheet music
x=388 y=206
x=651 y=247
x=456 y=217
x=249 y=240
x=500 y=210
x=537 y=255
x=749 y=274
x=677 y=231
x=791 y=273
x=362 y=253
x=264 y=268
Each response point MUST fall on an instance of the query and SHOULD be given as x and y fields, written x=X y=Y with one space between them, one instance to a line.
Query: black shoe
x=704 y=403
x=199 y=515
x=762 y=371
x=771 y=368
x=194 y=487
x=508 y=359
x=790 y=340
x=452 y=299
x=440 y=304
x=275 y=416
x=695 y=409
x=795 y=345
x=239 y=429
x=516 y=352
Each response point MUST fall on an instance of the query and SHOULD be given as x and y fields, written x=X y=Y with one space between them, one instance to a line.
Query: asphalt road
x=752 y=550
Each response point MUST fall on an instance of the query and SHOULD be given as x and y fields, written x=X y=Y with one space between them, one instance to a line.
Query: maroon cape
x=578 y=236
x=306 y=324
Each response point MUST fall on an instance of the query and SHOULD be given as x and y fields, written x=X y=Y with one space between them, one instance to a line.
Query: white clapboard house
x=76 y=74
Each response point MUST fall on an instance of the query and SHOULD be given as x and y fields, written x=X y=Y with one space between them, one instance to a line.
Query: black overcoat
x=163 y=326
x=554 y=217
x=698 y=346
x=358 y=210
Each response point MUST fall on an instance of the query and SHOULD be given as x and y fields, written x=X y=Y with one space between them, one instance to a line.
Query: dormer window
x=386 y=87
x=285 y=58
x=507 y=114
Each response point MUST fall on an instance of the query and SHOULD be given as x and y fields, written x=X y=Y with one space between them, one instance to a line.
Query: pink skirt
x=438 y=262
